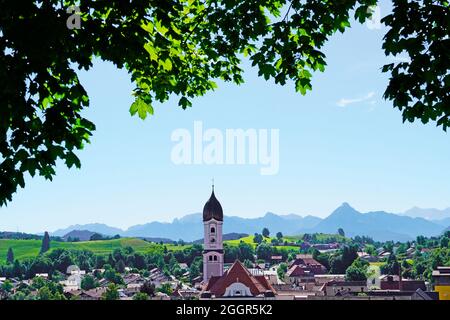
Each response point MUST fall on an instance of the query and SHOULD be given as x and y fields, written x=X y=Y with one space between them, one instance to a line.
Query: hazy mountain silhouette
x=93 y=227
x=379 y=225
x=190 y=227
x=429 y=214
x=81 y=235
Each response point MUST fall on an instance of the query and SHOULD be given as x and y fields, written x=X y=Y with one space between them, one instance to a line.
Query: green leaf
x=152 y=51
x=184 y=103
x=141 y=108
x=167 y=64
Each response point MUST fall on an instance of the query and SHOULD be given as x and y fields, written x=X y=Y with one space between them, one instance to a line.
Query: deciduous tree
x=179 y=48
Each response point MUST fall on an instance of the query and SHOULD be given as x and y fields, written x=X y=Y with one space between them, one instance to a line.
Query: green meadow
x=24 y=249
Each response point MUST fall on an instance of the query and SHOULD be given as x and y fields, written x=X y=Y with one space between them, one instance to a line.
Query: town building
x=237 y=281
x=213 y=243
x=303 y=269
x=441 y=278
x=393 y=282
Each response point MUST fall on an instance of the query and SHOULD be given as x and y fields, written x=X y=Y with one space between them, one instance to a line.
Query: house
x=197 y=282
x=392 y=282
x=93 y=294
x=73 y=283
x=183 y=266
x=326 y=247
x=158 y=277
x=42 y=275
x=304 y=246
x=321 y=279
x=308 y=264
x=271 y=276
x=441 y=277
x=367 y=257
x=410 y=252
x=424 y=295
x=186 y=294
x=276 y=259
x=238 y=282
x=299 y=274
x=334 y=287
x=303 y=269
x=160 y=296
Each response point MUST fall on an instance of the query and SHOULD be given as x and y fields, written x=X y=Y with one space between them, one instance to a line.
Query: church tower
x=213 y=244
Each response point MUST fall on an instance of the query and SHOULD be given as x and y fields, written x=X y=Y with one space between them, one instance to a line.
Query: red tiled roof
x=238 y=273
x=298 y=271
x=306 y=260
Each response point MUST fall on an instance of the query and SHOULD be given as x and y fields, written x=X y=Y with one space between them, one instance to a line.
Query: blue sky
x=340 y=142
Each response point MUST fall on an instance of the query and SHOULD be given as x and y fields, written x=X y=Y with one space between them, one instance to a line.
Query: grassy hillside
x=24 y=249
x=249 y=240
x=30 y=248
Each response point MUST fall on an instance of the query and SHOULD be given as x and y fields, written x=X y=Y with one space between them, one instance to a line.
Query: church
x=237 y=281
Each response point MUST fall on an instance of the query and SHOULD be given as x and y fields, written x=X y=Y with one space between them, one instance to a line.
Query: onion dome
x=212 y=209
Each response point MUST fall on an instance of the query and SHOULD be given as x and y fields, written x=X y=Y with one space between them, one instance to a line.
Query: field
x=249 y=240
x=321 y=237
x=24 y=249
x=30 y=248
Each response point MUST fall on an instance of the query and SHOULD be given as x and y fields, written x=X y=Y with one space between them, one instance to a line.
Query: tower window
x=213 y=240
x=213 y=230
x=215 y=258
x=210 y=258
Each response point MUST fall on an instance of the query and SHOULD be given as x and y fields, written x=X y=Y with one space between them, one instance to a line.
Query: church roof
x=238 y=273
x=212 y=209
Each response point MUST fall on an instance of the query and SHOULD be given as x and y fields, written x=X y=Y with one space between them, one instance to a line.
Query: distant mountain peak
x=345 y=209
x=270 y=214
x=346 y=205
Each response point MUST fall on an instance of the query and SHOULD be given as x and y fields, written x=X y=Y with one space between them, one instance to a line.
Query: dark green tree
x=148 y=288
x=257 y=238
x=140 y=296
x=96 y=236
x=279 y=235
x=179 y=49
x=444 y=242
x=45 y=243
x=354 y=273
x=281 y=271
x=264 y=251
x=89 y=282
x=10 y=256
x=245 y=252
x=265 y=232
x=341 y=232
x=111 y=293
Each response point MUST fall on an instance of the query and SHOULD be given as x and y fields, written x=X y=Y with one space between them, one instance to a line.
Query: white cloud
x=345 y=102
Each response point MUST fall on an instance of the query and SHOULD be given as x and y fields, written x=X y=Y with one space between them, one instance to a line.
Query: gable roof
x=238 y=273
x=307 y=260
x=299 y=271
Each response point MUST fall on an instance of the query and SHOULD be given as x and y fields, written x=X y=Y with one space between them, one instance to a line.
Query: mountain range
x=379 y=225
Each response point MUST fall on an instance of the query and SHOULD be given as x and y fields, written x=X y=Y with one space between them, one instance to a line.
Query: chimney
x=400 y=284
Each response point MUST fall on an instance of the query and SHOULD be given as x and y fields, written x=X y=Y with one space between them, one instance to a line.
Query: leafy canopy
x=179 y=48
